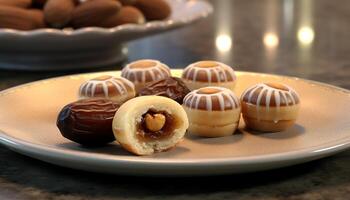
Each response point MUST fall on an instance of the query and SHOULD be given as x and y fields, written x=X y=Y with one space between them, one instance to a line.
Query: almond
x=93 y=13
x=58 y=13
x=21 y=19
x=127 y=2
x=38 y=17
x=126 y=15
x=16 y=3
x=39 y=3
x=154 y=9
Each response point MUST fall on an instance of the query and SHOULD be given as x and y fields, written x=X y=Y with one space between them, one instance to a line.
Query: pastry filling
x=207 y=64
x=156 y=125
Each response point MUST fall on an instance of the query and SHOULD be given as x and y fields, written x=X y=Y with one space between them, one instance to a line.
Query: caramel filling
x=102 y=78
x=277 y=86
x=156 y=125
x=208 y=91
x=143 y=64
x=207 y=64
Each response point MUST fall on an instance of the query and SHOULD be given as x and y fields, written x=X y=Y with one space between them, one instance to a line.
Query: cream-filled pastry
x=109 y=87
x=142 y=72
x=148 y=124
x=212 y=111
x=270 y=107
x=209 y=73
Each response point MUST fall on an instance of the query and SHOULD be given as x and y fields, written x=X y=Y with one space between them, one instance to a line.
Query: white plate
x=53 y=49
x=28 y=114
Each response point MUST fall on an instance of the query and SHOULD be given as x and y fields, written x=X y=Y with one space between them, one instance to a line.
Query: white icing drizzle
x=279 y=96
x=218 y=71
x=268 y=97
x=209 y=76
x=140 y=73
x=88 y=89
x=151 y=73
x=221 y=102
x=194 y=98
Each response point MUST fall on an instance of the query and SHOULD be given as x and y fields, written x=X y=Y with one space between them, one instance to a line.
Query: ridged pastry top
x=270 y=95
x=211 y=99
x=209 y=71
x=143 y=71
x=106 y=86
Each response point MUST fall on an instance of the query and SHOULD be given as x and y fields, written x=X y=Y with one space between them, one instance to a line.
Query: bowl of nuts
x=78 y=34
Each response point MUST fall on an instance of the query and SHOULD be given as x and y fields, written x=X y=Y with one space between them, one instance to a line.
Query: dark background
x=303 y=38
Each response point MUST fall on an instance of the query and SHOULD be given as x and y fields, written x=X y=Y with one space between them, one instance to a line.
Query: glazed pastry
x=88 y=121
x=149 y=124
x=212 y=111
x=142 y=72
x=209 y=73
x=171 y=87
x=116 y=89
x=270 y=107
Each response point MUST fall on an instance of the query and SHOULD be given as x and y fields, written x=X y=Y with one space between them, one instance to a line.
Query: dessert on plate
x=212 y=111
x=143 y=72
x=148 y=124
x=270 y=107
x=117 y=89
x=88 y=121
x=171 y=87
x=209 y=73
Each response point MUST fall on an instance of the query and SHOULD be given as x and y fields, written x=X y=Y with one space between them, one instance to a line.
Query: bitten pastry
x=116 y=89
x=209 y=73
x=212 y=111
x=270 y=107
x=142 y=72
x=149 y=124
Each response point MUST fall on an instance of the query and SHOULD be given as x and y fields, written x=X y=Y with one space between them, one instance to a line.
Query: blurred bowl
x=68 y=49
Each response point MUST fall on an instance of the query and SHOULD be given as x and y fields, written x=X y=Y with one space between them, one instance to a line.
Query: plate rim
x=309 y=153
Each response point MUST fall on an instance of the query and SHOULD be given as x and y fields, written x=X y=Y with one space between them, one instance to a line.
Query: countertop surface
x=303 y=38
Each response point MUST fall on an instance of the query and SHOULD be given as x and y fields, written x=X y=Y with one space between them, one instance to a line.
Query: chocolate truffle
x=209 y=73
x=148 y=124
x=212 y=111
x=88 y=121
x=270 y=107
x=116 y=89
x=142 y=72
x=171 y=87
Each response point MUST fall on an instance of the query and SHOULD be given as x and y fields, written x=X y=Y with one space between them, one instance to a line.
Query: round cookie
x=142 y=72
x=148 y=124
x=116 y=89
x=212 y=111
x=209 y=73
x=270 y=107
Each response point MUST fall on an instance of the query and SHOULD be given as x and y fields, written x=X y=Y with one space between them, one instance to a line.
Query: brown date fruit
x=88 y=121
x=171 y=87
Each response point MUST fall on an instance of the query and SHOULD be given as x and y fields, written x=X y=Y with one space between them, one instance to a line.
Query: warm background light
x=271 y=40
x=306 y=35
x=223 y=42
